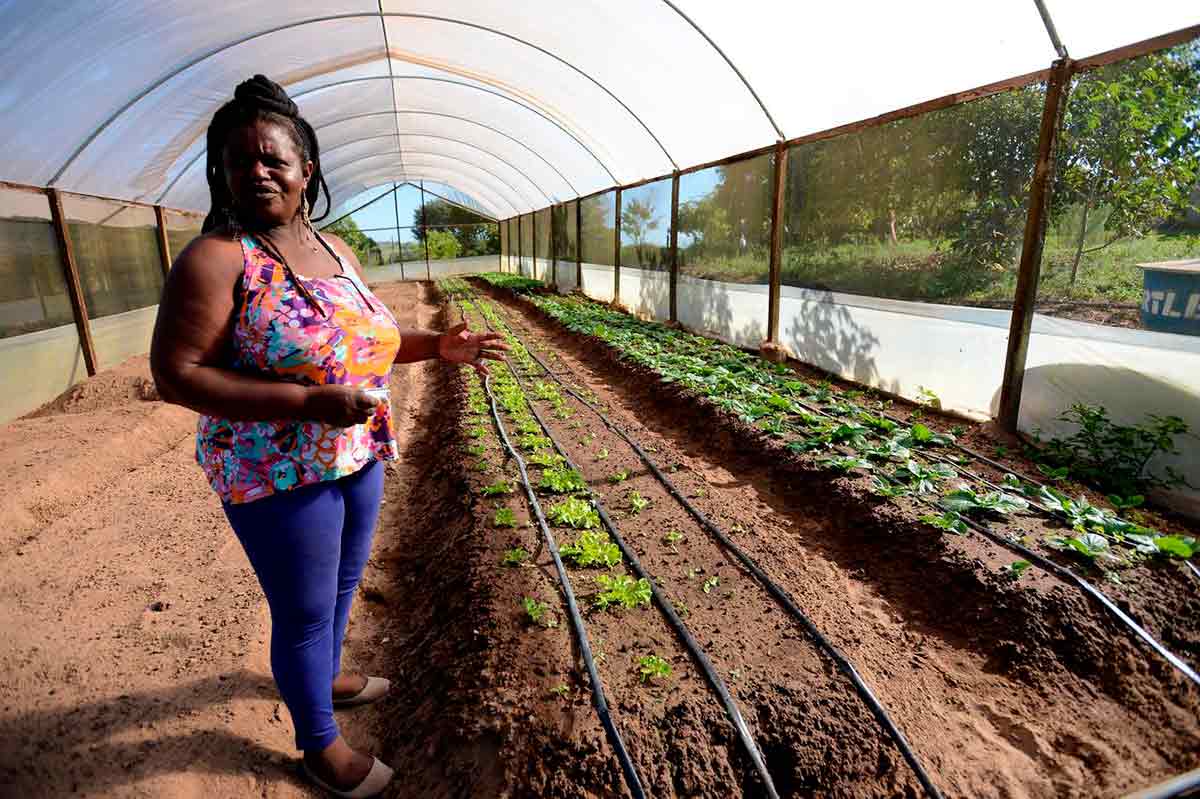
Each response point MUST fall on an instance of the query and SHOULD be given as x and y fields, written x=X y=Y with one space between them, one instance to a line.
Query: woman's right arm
x=191 y=337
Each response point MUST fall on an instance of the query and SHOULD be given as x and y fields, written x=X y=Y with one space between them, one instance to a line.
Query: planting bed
x=1006 y=683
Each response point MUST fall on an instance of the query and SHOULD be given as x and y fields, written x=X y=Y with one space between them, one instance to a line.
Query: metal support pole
x=425 y=225
x=774 y=290
x=533 y=224
x=553 y=250
x=617 y=251
x=396 y=216
x=164 y=245
x=578 y=245
x=520 y=257
x=674 y=247
x=71 y=275
x=500 y=251
x=1031 y=250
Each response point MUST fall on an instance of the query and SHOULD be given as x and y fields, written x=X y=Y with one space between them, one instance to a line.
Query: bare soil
x=1004 y=689
x=134 y=635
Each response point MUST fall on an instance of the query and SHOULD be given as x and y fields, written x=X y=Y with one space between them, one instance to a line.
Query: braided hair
x=259 y=98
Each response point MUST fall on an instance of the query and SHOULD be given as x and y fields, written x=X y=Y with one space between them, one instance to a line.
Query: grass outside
x=924 y=270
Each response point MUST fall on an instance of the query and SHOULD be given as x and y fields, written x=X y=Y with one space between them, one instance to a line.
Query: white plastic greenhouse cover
x=516 y=105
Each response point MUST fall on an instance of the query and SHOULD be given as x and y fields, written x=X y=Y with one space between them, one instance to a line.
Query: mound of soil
x=129 y=381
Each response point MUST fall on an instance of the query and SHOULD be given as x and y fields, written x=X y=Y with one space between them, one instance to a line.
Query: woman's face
x=265 y=172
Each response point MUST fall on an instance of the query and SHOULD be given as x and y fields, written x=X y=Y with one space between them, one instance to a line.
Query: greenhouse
x=832 y=431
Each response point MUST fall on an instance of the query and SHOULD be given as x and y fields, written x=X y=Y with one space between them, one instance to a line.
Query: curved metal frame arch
x=333 y=18
x=485 y=170
x=501 y=95
x=493 y=207
x=496 y=190
x=493 y=91
x=483 y=150
x=373 y=177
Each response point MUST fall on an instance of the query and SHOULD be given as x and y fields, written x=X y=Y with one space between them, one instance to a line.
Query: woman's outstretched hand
x=462 y=346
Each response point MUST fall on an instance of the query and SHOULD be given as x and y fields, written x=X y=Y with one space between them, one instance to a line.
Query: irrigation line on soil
x=839 y=658
x=1182 y=785
x=697 y=652
x=1061 y=572
x=632 y=780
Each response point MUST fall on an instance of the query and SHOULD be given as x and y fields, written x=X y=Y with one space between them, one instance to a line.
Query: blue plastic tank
x=1171 y=300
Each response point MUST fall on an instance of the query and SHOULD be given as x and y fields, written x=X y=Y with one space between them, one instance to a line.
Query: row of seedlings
x=907 y=462
x=692 y=556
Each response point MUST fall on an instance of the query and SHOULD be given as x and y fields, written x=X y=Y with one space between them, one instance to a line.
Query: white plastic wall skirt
x=123 y=335
x=37 y=367
x=733 y=312
x=525 y=266
x=598 y=282
x=542 y=269
x=646 y=293
x=958 y=354
x=567 y=274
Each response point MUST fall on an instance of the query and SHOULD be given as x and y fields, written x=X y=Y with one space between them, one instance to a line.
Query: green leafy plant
x=476 y=450
x=710 y=584
x=538 y=612
x=623 y=591
x=482 y=466
x=574 y=512
x=845 y=464
x=881 y=486
x=477 y=431
x=562 y=690
x=1014 y=570
x=1114 y=457
x=651 y=666
x=1123 y=504
x=965 y=501
x=497 y=488
x=921 y=478
x=545 y=458
x=592 y=549
x=619 y=476
x=1089 y=545
x=515 y=556
x=950 y=521
x=927 y=397
x=921 y=436
x=637 y=503
x=534 y=442
x=602 y=455
x=562 y=481
x=673 y=537
x=504 y=517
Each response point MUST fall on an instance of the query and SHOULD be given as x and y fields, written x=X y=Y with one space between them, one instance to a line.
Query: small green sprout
x=710 y=584
x=515 y=556
x=504 y=518
x=619 y=476
x=651 y=666
x=637 y=503
x=602 y=455
x=537 y=612
x=497 y=488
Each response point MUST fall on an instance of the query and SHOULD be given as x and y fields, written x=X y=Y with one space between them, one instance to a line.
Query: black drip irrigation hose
x=1061 y=572
x=839 y=658
x=697 y=652
x=632 y=780
x=1187 y=784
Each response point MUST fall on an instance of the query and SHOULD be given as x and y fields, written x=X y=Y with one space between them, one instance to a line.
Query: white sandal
x=375 y=689
x=373 y=784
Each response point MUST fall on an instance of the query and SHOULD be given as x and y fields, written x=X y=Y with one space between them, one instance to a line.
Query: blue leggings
x=308 y=547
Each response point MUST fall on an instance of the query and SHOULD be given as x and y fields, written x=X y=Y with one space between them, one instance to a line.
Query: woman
x=268 y=331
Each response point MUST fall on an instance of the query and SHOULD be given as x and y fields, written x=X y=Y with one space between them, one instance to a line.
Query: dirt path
x=134 y=654
x=943 y=645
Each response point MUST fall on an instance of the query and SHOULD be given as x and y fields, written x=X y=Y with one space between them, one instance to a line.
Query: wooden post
x=74 y=288
x=396 y=218
x=674 y=307
x=164 y=244
x=520 y=257
x=578 y=245
x=775 y=289
x=425 y=225
x=617 y=251
x=533 y=225
x=1031 y=250
x=553 y=250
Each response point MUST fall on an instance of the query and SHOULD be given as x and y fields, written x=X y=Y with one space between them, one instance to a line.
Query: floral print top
x=311 y=331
